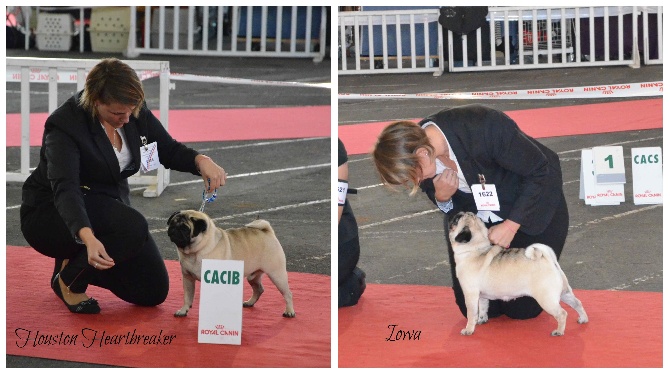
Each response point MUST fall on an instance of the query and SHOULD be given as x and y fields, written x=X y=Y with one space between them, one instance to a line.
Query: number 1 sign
x=608 y=165
x=593 y=193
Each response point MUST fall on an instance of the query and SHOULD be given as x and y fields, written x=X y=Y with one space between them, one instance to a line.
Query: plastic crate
x=48 y=23
x=54 y=32
x=109 y=41
x=54 y=42
x=110 y=19
x=110 y=28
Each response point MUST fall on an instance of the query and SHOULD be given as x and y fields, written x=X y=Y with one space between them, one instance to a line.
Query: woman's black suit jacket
x=527 y=175
x=77 y=158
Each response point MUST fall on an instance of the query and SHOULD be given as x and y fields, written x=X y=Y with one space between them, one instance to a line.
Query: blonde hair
x=394 y=154
x=112 y=81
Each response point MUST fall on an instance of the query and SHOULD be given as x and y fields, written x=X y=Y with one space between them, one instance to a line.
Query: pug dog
x=197 y=238
x=488 y=272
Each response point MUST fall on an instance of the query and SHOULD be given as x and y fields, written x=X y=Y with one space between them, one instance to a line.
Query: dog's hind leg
x=553 y=307
x=280 y=279
x=257 y=287
x=483 y=315
x=572 y=301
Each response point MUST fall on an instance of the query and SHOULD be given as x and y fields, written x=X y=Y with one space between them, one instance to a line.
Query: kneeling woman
x=451 y=153
x=76 y=207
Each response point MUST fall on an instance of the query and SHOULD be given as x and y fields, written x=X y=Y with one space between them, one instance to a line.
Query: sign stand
x=647 y=165
x=221 y=297
x=602 y=176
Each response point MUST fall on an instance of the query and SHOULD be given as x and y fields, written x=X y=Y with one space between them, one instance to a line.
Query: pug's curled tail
x=538 y=250
x=261 y=224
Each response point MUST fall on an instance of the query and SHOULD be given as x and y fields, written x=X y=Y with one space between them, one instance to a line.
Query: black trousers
x=524 y=307
x=350 y=287
x=139 y=275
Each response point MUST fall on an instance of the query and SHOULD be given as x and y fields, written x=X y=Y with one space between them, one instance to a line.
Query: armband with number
x=342 y=187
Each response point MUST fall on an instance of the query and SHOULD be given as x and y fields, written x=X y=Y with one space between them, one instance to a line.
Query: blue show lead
x=207 y=199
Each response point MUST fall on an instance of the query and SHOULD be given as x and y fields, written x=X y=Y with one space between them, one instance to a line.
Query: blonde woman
x=76 y=207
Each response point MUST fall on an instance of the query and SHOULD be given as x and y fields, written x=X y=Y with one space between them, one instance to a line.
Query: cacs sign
x=220 y=318
x=647 y=163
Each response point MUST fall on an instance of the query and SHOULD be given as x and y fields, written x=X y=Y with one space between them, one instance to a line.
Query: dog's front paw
x=181 y=313
x=467 y=332
x=557 y=333
x=483 y=319
x=289 y=314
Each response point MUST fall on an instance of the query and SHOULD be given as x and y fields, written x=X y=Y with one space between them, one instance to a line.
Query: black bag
x=466 y=21
x=463 y=20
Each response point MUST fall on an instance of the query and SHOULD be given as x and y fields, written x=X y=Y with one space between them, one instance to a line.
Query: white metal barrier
x=646 y=35
x=176 y=31
x=517 y=38
x=74 y=71
x=396 y=41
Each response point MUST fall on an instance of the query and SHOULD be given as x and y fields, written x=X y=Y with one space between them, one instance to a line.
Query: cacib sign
x=220 y=315
x=221 y=277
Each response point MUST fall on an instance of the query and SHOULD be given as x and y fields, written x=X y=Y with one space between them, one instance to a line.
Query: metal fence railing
x=410 y=41
x=263 y=31
x=405 y=41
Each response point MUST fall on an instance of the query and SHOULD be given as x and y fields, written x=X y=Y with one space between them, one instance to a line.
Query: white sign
x=647 y=175
x=597 y=194
x=220 y=320
x=608 y=165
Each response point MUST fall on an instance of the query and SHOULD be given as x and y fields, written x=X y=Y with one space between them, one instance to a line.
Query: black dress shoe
x=361 y=277
x=90 y=306
x=58 y=265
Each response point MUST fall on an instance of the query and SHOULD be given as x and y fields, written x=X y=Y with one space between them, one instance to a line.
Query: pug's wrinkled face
x=467 y=228
x=185 y=226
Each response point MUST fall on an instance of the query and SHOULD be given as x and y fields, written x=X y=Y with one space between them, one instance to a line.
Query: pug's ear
x=199 y=226
x=171 y=216
x=465 y=236
x=453 y=219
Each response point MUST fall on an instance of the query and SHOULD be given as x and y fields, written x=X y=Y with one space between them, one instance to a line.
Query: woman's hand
x=445 y=184
x=503 y=233
x=97 y=255
x=212 y=174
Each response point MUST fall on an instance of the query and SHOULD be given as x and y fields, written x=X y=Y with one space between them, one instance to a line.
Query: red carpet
x=625 y=329
x=268 y=339
x=214 y=124
x=543 y=122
